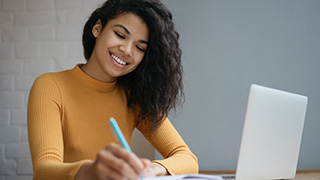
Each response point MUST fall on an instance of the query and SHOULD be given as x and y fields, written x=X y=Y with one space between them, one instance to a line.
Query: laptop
x=271 y=134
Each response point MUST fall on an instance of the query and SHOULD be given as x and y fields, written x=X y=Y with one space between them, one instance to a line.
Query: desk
x=301 y=174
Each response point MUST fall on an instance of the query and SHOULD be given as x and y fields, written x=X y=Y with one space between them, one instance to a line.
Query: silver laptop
x=271 y=135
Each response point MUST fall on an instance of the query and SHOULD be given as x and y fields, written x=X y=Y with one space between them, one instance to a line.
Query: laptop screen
x=271 y=135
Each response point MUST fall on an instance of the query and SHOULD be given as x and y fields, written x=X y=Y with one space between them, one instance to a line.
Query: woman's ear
x=97 y=28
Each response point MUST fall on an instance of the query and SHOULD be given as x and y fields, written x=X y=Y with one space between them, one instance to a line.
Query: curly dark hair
x=155 y=86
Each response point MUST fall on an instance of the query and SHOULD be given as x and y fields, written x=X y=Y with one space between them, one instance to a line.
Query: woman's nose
x=126 y=49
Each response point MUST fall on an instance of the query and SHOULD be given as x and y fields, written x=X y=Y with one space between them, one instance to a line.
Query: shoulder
x=47 y=83
x=43 y=81
x=43 y=78
x=49 y=79
x=43 y=86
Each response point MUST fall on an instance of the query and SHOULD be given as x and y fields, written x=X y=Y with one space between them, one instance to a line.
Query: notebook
x=187 y=177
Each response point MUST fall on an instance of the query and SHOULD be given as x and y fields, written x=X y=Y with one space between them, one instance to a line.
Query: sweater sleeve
x=45 y=132
x=178 y=159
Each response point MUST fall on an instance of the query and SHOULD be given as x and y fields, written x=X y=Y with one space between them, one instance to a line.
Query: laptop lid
x=271 y=135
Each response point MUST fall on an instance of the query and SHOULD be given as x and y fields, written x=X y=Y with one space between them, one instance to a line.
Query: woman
x=133 y=73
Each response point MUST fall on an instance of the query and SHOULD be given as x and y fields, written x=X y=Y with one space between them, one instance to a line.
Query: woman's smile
x=118 y=60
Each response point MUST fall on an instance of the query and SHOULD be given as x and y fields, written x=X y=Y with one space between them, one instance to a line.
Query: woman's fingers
x=129 y=158
x=114 y=167
x=155 y=169
x=104 y=172
x=114 y=163
x=145 y=162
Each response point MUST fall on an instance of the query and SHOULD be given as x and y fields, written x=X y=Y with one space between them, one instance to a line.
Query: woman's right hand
x=113 y=163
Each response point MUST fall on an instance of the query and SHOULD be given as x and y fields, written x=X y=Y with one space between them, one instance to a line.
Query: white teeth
x=118 y=60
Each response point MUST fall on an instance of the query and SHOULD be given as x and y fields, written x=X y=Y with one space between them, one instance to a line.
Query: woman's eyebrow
x=128 y=32
x=145 y=42
x=123 y=27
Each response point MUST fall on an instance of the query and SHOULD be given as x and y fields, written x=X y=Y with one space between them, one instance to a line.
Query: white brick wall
x=41 y=5
x=6 y=50
x=13 y=5
x=36 y=36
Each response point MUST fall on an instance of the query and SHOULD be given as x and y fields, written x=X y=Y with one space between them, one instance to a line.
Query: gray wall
x=228 y=45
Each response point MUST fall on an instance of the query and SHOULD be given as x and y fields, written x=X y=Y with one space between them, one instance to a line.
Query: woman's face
x=120 y=47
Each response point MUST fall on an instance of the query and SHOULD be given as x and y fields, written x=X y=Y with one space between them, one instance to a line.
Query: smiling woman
x=120 y=47
x=134 y=74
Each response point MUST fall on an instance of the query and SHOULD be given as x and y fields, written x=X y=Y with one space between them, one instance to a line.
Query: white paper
x=187 y=177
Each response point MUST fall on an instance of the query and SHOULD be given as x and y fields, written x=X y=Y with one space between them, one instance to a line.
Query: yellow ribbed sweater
x=68 y=123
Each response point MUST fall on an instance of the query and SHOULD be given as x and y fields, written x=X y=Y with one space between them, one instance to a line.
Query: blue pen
x=120 y=136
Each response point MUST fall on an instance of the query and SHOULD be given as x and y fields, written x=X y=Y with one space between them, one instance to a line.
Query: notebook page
x=187 y=177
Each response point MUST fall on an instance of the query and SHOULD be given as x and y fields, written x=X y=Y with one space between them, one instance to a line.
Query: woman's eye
x=141 y=49
x=119 y=35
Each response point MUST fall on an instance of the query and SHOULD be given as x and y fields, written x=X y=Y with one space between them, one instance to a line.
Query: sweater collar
x=91 y=83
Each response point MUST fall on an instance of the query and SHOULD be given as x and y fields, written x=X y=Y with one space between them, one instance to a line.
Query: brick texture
x=36 y=36
x=6 y=50
x=4 y=119
x=13 y=5
x=6 y=83
x=15 y=35
x=7 y=167
x=40 y=5
x=34 y=18
x=9 y=134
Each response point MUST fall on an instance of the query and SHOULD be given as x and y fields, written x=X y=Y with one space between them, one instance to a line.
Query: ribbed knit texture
x=68 y=124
